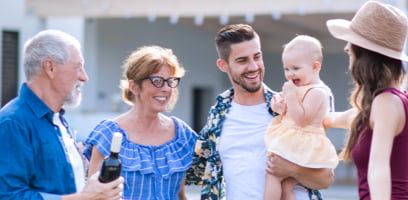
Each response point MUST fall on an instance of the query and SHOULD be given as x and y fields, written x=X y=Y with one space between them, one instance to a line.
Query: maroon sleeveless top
x=399 y=157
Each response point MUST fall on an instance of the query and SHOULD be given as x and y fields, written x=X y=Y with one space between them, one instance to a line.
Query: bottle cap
x=116 y=142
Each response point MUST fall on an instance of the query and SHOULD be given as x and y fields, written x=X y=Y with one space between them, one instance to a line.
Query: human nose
x=166 y=88
x=83 y=76
x=253 y=65
x=347 y=47
x=290 y=73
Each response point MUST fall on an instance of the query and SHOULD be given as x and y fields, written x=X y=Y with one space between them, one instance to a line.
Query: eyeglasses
x=158 y=81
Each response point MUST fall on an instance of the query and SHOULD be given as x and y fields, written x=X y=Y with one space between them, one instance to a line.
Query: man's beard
x=247 y=87
x=73 y=99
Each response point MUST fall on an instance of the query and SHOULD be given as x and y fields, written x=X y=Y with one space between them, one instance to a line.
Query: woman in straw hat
x=378 y=139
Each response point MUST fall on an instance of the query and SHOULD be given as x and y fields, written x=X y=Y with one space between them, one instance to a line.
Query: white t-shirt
x=73 y=154
x=243 y=153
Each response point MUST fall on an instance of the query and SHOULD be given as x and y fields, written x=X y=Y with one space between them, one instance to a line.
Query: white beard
x=73 y=99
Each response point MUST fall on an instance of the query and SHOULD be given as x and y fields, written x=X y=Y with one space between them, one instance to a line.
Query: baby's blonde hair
x=309 y=44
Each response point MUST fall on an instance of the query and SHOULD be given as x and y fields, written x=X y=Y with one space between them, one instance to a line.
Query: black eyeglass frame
x=168 y=80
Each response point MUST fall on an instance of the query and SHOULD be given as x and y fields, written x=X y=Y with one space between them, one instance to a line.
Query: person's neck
x=396 y=85
x=243 y=97
x=140 y=114
x=315 y=81
x=135 y=119
x=45 y=93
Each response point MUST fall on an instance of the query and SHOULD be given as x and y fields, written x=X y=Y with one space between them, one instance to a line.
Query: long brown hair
x=372 y=73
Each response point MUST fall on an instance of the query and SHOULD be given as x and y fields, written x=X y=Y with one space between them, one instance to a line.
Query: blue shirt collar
x=39 y=108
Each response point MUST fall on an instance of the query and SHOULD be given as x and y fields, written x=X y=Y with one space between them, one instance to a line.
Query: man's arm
x=310 y=177
x=17 y=169
x=202 y=149
x=196 y=172
x=16 y=162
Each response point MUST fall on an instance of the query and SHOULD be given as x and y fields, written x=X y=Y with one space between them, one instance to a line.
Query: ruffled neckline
x=166 y=159
x=129 y=142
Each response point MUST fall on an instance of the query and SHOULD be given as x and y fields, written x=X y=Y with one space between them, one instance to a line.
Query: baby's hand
x=278 y=103
x=289 y=88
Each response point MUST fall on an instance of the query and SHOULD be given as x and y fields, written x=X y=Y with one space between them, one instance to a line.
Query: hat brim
x=340 y=29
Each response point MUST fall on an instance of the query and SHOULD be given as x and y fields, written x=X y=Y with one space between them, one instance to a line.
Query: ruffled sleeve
x=101 y=137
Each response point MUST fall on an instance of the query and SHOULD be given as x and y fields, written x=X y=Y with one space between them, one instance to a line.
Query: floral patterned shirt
x=206 y=169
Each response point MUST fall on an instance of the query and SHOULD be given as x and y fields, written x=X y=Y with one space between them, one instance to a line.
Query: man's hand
x=280 y=167
x=313 y=178
x=96 y=190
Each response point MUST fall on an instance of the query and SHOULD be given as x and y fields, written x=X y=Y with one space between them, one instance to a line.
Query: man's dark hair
x=232 y=34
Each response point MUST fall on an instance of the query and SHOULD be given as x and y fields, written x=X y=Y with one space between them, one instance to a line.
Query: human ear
x=49 y=68
x=134 y=87
x=317 y=65
x=222 y=65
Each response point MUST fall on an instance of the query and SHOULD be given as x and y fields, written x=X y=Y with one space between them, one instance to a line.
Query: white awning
x=192 y=8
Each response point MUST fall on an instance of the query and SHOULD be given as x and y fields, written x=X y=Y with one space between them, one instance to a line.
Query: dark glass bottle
x=111 y=166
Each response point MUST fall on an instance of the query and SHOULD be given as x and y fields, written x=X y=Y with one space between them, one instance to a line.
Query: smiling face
x=140 y=67
x=302 y=58
x=245 y=67
x=299 y=67
x=154 y=98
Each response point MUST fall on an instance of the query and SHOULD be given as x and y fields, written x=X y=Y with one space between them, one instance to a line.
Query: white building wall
x=72 y=25
x=12 y=18
x=118 y=37
x=12 y=13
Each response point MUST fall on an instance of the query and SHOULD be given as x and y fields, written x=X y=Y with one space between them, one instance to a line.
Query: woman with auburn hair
x=156 y=149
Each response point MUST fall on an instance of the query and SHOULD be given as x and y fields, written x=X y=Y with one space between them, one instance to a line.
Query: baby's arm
x=311 y=110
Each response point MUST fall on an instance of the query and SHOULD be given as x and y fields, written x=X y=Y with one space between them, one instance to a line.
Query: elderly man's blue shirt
x=33 y=162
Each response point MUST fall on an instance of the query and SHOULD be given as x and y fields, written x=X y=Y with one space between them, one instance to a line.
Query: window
x=202 y=101
x=9 y=69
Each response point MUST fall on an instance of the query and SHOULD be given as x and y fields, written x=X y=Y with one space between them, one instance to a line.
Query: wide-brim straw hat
x=377 y=27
